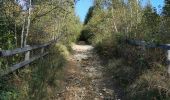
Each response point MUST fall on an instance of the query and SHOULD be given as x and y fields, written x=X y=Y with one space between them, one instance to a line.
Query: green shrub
x=62 y=49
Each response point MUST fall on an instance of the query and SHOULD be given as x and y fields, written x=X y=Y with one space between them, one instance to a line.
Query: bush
x=141 y=74
x=62 y=49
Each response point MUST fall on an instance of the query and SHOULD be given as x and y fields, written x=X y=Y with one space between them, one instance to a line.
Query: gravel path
x=84 y=79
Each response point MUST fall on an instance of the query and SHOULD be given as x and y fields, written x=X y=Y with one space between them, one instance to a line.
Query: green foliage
x=7 y=41
x=166 y=8
x=41 y=80
x=50 y=20
x=7 y=92
x=141 y=76
x=165 y=29
x=47 y=75
x=57 y=20
x=89 y=15
x=150 y=24
x=62 y=49
x=140 y=73
x=85 y=35
x=95 y=30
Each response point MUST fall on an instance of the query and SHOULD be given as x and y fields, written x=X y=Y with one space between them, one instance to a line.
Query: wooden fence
x=165 y=47
x=26 y=50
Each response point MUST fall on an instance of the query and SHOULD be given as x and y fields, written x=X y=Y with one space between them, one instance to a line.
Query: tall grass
x=142 y=74
x=40 y=81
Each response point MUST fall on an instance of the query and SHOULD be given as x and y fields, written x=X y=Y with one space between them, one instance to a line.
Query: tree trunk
x=16 y=35
x=28 y=25
x=114 y=23
x=22 y=34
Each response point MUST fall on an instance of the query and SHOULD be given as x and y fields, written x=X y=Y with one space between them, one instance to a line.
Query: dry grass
x=141 y=74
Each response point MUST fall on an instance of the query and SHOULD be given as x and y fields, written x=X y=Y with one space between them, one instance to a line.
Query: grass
x=151 y=85
x=40 y=81
x=141 y=74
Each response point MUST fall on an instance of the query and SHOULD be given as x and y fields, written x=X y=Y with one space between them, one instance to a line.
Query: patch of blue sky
x=82 y=8
x=158 y=4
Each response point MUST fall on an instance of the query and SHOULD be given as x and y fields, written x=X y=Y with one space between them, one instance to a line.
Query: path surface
x=84 y=78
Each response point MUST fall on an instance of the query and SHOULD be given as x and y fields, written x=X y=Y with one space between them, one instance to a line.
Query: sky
x=82 y=7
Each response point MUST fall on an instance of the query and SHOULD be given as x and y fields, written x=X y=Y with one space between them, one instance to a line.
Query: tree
x=89 y=15
x=150 y=24
x=166 y=8
x=165 y=29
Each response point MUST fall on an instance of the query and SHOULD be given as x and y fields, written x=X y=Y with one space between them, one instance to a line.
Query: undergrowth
x=142 y=74
x=40 y=81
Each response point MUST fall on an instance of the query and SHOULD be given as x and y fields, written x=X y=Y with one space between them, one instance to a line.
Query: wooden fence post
x=27 y=56
x=143 y=48
x=42 y=51
x=168 y=61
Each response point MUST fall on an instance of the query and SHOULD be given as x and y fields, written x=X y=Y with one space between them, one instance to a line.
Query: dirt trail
x=84 y=79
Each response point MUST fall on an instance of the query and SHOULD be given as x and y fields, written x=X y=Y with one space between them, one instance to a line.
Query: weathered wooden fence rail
x=27 y=60
x=165 y=47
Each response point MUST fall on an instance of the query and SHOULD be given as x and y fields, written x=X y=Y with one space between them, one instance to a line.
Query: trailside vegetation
x=42 y=22
x=140 y=72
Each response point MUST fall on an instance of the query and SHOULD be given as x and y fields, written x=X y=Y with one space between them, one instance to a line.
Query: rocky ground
x=84 y=77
